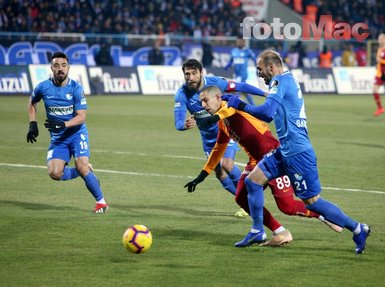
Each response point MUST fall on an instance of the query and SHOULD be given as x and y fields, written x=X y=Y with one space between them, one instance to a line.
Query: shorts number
x=299 y=184
x=283 y=182
x=83 y=145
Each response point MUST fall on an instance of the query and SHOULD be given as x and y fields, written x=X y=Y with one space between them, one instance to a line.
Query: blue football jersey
x=186 y=100
x=240 y=58
x=290 y=118
x=61 y=103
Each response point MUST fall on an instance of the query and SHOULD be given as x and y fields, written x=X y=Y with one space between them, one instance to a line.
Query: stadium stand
x=179 y=17
x=367 y=11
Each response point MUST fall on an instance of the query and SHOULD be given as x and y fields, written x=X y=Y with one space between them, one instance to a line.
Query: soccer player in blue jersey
x=239 y=59
x=187 y=99
x=295 y=156
x=66 y=108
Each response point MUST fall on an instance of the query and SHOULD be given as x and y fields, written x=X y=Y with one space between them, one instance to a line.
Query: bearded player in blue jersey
x=66 y=108
x=187 y=99
x=239 y=59
x=295 y=156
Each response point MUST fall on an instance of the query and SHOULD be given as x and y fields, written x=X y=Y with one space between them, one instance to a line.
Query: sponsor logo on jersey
x=61 y=111
x=177 y=105
x=83 y=101
x=201 y=114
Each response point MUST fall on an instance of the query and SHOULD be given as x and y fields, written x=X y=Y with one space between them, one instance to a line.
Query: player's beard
x=60 y=77
x=195 y=85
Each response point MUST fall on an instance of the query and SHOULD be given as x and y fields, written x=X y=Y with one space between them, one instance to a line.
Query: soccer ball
x=137 y=239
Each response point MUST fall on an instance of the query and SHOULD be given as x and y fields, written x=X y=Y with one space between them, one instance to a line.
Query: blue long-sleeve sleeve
x=265 y=111
x=248 y=89
x=179 y=119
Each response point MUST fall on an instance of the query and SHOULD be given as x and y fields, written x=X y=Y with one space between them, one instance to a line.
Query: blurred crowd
x=178 y=17
x=370 y=12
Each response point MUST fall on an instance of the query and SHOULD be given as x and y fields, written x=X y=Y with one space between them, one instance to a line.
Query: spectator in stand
x=348 y=56
x=207 y=57
x=103 y=56
x=155 y=56
x=292 y=58
x=325 y=58
x=361 y=56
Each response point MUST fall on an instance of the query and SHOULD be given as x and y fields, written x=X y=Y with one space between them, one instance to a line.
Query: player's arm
x=263 y=112
x=180 y=112
x=77 y=120
x=244 y=88
x=379 y=59
x=215 y=157
x=33 y=130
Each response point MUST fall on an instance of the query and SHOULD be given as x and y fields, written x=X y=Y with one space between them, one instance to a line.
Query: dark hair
x=59 y=55
x=192 y=64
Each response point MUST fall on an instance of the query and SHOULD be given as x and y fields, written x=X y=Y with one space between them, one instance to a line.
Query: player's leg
x=241 y=198
x=283 y=194
x=377 y=97
x=81 y=151
x=308 y=188
x=228 y=165
x=57 y=158
x=224 y=179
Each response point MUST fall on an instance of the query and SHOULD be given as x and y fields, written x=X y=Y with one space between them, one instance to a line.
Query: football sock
x=102 y=201
x=332 y=213
x=69 y=173
x=228 y=185
x=255 y=198
x=377 y=99
x=235 y=175
x=270 y=222
x=279 y=230
x=93 y=186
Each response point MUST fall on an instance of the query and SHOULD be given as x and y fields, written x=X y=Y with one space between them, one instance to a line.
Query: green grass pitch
x=49 y=236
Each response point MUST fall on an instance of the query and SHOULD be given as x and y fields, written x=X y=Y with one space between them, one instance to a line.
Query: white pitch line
x=177 y=176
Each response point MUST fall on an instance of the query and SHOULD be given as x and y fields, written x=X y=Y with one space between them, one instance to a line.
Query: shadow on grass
x=34 y=206
x=173 y=209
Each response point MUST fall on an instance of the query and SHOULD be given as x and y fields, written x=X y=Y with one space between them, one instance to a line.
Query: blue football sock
x=228 y=185
x=93 y=186
x=235 y=175
x=332 y=213
x=69 y=173
x=255 y=198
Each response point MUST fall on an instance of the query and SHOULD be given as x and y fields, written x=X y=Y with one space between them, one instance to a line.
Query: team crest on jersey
x=83 y=137
x=298 y=176
x=273 y=87
x=69 y=97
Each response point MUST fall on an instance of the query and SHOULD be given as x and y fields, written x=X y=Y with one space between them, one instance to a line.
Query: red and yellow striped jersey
x=252 y=134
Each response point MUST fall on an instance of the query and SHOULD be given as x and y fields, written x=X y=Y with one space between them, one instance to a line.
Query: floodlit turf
x=49 y=236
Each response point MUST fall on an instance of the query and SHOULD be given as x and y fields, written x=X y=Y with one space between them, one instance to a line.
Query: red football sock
x=269 y=221
x=377 y=99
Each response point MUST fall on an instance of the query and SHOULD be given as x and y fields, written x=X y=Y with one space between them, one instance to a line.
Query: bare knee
x=227 y=164
x=55 y=175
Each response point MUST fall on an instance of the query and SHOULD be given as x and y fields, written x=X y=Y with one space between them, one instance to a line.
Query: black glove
x=33 y=132
x=207 y=121
x=54 y=125
x=192 y=184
